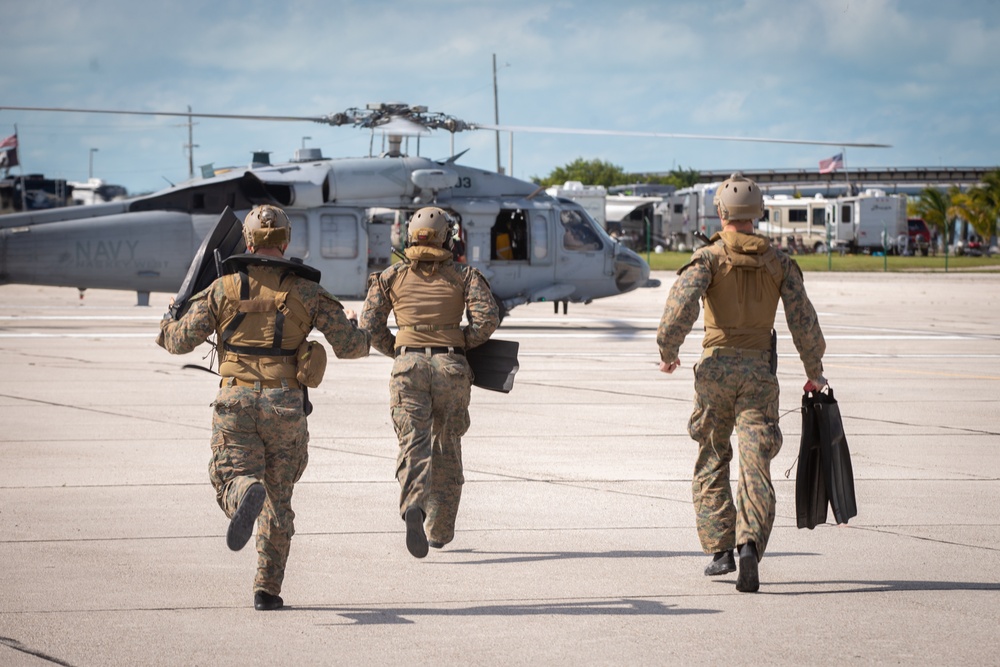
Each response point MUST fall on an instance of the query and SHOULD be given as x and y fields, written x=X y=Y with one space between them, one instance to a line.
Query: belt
x=738 y=352
x=429 y=350
x=291 y=383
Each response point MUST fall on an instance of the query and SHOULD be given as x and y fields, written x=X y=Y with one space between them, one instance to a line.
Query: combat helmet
x=739 y=198
x=266 y=227
x=430 y=226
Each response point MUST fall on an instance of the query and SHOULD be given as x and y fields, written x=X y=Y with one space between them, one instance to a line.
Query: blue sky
x=921 y=75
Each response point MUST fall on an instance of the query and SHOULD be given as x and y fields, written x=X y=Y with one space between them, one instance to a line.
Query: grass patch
x=671 y=261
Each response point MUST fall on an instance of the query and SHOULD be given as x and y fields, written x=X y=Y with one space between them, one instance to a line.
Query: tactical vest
x=262 y=324
x=742 y=298
x=428 y=299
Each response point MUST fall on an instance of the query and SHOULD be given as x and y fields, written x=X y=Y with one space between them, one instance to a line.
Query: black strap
x=279 y=326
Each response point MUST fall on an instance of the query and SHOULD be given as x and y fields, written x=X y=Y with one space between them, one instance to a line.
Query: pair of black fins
x=493 y=363
x=824 y=477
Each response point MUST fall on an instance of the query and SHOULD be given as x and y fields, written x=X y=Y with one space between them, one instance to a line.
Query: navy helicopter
x=344 y=212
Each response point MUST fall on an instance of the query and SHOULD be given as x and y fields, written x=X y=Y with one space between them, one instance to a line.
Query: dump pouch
x=310 y=362
x=824 y=475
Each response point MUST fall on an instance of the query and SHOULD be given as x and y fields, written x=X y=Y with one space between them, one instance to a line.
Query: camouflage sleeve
x=682 y=307
x=375 y=317
x=801 y=318
x=199 y=322
x=347 y=340
x=482 y=310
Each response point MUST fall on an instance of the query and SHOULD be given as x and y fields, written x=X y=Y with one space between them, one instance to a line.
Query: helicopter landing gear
x=555 y=307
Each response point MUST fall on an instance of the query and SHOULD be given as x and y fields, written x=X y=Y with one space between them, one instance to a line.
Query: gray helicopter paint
x=137 y=245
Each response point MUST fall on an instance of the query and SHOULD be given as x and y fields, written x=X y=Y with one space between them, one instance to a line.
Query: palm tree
x=991 y=187
x=933 y=206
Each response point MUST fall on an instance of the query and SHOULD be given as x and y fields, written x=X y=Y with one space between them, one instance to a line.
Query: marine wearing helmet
x=430 y=235
x=266 y=227
x=739 y=199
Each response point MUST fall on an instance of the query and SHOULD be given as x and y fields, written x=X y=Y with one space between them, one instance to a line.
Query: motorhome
x=795 y=223
x=871 y=221
x=691 y=210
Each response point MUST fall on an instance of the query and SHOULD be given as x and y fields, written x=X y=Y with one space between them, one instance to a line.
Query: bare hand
x=350 y=314
x=816 y=385
x=671 y=367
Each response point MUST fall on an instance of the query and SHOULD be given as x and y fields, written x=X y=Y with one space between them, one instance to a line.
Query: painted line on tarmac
x=904 y=371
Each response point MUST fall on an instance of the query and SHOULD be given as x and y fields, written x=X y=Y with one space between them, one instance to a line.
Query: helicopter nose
x=630 y=271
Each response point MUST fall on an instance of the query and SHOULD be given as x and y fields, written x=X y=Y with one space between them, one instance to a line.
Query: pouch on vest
x=310 y=362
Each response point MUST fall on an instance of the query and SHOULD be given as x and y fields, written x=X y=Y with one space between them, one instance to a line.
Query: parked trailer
x=795 y=223
x=691 y=210
x=872 y=221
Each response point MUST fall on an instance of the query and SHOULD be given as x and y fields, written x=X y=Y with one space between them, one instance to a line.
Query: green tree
x=991 y=192
x=975 y=207
x=588 y=172
x=598 y=172
x=683 y=178
x=933 y=206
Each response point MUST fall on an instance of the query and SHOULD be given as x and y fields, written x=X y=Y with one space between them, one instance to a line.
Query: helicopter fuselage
x=346 y=216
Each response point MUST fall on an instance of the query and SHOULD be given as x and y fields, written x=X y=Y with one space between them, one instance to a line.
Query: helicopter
x=345 y=213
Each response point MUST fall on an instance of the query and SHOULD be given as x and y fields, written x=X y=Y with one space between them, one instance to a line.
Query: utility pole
x=496 y=112
x=190 y=146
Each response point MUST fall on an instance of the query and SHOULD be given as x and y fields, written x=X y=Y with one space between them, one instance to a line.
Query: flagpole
x=20 y=168
x=847 y=177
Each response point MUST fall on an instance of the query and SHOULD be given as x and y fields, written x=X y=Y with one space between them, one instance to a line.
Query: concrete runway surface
x=576 y=542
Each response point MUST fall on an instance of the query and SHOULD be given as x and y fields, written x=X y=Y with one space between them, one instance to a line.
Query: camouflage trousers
x=429 y=400
x=740 y=392
x=260 y=436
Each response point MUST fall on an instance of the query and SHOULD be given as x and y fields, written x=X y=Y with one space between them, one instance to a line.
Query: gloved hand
x=816 y=385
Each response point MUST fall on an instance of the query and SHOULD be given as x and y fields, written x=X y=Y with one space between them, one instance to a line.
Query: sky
x=920 y=75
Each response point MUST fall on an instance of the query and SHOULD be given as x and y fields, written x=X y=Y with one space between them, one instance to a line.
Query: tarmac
x=576 y=542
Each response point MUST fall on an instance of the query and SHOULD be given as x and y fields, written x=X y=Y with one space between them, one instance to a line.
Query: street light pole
x=91 y=172
x=496 y=112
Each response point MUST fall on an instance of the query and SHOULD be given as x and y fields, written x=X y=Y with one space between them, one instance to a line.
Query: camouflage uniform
x=259 y=430
x=429 y=393
x=735 y=387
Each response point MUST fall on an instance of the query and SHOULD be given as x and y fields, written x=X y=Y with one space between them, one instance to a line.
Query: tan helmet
x=266 y=227
x=739 y=198
x=430 y=226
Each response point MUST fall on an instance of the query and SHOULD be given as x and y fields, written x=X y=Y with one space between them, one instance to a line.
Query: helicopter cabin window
x=338 y=236
x=298 y=244
x=577 y=234
x=845 y=213
x=509 y=236
x=539 y=237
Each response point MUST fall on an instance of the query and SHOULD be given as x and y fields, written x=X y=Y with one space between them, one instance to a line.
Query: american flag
x=8 y=152
x=832 y=164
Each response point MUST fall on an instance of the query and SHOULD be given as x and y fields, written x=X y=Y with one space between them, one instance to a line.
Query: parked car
x=919 y=235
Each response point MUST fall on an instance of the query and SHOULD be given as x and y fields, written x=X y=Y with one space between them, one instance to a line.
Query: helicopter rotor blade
x=407 y=122
x=332 y=119
x=668 y=135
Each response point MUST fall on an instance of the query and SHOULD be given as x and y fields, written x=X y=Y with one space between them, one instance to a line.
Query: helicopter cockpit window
x=298 y=246
x=509 y=236
x=338 y=236
x=577 y=232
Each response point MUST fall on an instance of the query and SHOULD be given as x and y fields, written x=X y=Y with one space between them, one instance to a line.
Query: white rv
x=795 y=223
x=590 y=197
x=691 y=210
x=869 y=221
